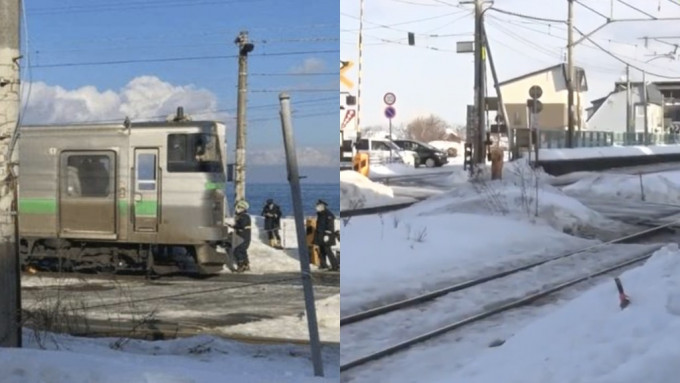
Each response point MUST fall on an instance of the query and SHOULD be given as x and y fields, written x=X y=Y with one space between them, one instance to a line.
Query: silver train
x=129 y=196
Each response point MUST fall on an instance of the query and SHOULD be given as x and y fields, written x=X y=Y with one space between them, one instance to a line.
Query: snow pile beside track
x=515 y=196
x=200 y=359
x=592 y=340
x=359 y=192
x=657 y=187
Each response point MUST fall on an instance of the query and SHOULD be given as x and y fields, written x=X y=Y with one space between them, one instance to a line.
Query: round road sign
x=390 y=112
x=389 y=98
x=535 y=92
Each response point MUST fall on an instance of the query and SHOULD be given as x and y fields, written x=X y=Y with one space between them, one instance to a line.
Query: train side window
x=177 y=147
x=146 y=171
x=88 y=175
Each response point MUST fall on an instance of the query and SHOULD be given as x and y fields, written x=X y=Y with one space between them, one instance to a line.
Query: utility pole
x=629 y=101
x=480 y=85
x=644 y=105
x=570 y=75
x=244 y=47
x=303 y=251
x=10 y=291
x=361 y=53
x=501 y=105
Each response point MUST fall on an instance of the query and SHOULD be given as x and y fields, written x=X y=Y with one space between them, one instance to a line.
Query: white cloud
x=143 y=98
x=310 y=65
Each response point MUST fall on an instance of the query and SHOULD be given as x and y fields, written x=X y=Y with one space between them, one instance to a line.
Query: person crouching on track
x=324 y=235
x=242 y=228
x=272 y=223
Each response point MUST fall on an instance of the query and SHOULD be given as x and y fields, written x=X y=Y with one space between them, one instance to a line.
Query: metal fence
x=555 y=139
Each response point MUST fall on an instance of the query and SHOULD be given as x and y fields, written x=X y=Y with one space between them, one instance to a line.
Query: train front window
x=193 y=153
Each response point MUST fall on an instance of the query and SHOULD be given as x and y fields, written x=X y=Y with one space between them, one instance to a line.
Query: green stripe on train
x=49 y=206
x=213 y=186
x=146 y=208
x=37 y=205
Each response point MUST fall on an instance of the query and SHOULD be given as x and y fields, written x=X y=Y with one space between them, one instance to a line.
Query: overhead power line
x=124 y=6
x=294 y=74
x=392 y=25
x=527 y=16
x=617 y=58
x=171 y=59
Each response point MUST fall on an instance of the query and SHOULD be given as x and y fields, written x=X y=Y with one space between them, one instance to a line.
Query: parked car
x=386 y=151
x=428 y=154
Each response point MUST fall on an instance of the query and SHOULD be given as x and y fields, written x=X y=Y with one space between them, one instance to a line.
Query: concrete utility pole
x=644 y=105
x=480 y=85
x=244 y=47
x=501 y=105
x=629 y=103
x=570 y=75
x=10 y=292
x=361 y=53
x=296 y=193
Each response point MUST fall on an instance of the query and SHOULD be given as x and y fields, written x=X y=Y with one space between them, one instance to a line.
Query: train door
x=146 y=190
x=87 y=198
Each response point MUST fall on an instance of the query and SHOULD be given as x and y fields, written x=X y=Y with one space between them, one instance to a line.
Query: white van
x=382 y=151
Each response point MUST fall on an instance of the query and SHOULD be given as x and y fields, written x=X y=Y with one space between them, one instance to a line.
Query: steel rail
x=381 y=310
x=486 y=314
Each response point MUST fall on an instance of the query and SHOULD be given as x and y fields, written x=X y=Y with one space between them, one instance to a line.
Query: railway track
x=322 y=278
x=375 y=210
x=161 y=330
x=496 y=308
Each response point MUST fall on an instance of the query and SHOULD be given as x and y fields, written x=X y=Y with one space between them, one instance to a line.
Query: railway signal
x=344 y=67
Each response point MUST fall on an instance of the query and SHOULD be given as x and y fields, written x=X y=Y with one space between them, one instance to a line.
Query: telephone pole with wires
x=10 y=292
x=244 y=47
x=570 y=75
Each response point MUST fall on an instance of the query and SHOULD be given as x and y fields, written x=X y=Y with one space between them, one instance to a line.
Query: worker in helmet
x=272 y=223
x=324 y=236
x=242 y=228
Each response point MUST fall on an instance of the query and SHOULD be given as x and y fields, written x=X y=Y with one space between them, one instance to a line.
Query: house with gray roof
x=609 y=113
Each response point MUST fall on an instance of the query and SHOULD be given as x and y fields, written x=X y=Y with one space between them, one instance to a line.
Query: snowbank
x=376 y=170
x=610 y=151
x=657 y=187
x=394 y=256
x=357 y=191
x=457 y=234
x=295 y=326
x=514 y=196
x=192 y=360
x=592 y=340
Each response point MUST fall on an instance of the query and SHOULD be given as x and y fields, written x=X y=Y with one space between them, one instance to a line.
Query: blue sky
x=296 y=49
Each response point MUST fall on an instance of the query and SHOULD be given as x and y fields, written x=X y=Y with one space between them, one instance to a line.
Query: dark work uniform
x=325 y=226
x=242 y=228
x=272 y=221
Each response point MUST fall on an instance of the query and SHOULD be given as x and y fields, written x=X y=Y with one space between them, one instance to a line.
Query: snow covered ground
x=63 y=359
x=590 y=339
x=357 y=192
x=429 y=244
x=663 y=187
x=214 y=307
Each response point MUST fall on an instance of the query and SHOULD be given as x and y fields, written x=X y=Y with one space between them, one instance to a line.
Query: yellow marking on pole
x=344 y=67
